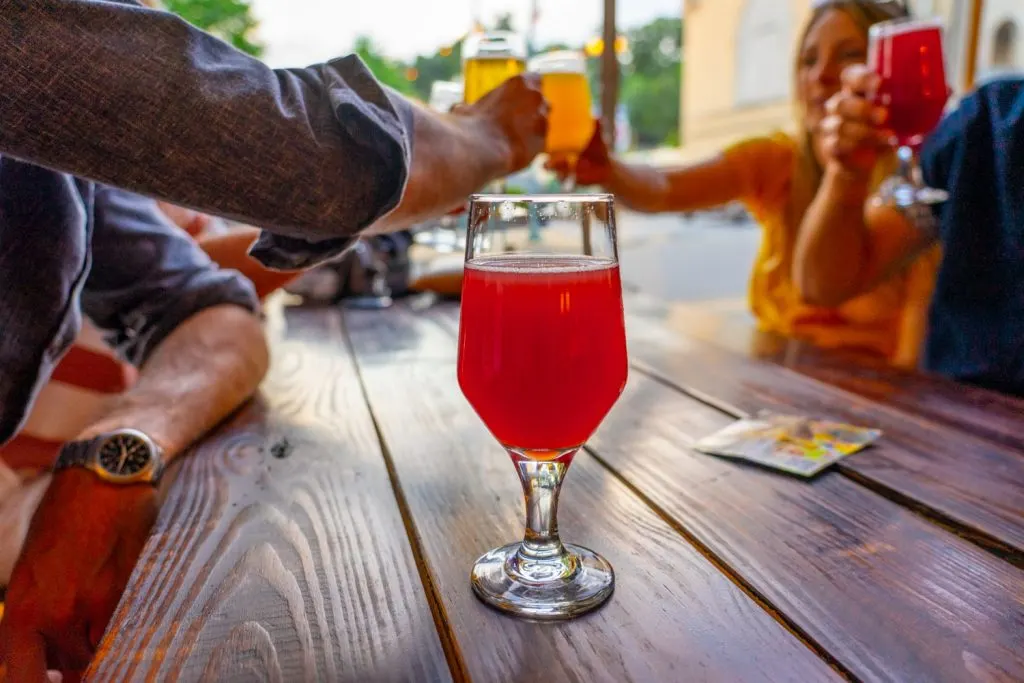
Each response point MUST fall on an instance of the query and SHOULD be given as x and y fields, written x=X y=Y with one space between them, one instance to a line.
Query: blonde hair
x=808 y=172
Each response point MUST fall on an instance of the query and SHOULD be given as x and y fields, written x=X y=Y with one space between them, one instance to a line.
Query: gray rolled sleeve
x=148 y=276
x=140 y=99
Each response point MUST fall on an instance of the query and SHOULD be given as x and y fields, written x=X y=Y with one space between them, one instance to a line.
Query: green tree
x=389 y=72
x=652 y=80
x=653 y=104
x=443 y=65
x=231 y=20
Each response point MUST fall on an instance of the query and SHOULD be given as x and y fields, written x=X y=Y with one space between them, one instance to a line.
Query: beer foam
x=544 y=263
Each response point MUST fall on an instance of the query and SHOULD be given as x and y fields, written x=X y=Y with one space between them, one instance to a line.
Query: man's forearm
x=454 y=155
x=201 y=372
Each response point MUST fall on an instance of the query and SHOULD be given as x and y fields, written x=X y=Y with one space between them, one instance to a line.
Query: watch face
x=124 y=455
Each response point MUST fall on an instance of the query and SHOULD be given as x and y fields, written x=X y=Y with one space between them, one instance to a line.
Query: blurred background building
x=738 y=60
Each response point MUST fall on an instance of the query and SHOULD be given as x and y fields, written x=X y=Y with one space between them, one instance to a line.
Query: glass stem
x=901 y=188
x=908 y=169
x=542 y=482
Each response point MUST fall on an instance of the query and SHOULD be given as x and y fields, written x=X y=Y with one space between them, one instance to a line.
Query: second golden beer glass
x=565 y=87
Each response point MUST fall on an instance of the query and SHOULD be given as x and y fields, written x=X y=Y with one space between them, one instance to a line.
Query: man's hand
x=458 y=153
x=852 y=132
x=518 y=115
x=82 y=545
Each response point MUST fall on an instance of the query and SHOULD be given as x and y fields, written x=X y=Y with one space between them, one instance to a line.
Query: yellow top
x=890 y=321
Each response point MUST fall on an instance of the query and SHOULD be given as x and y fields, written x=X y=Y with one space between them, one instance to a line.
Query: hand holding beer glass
x=488 y=60
x=570 y=122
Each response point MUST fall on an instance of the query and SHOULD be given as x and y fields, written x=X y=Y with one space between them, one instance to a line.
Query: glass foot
x=559 y=587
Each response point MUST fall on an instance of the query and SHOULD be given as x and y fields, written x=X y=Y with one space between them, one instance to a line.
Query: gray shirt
x=113 y=92
x=69 y=246
x=137 y=98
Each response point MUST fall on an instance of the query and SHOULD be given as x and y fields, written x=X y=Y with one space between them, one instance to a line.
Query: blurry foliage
x=652 y=80
x=391 y=73
x=652 y=74
x=443 y=65
x=231 y=20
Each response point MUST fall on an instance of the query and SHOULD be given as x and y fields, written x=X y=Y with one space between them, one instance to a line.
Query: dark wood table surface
x=327 y=531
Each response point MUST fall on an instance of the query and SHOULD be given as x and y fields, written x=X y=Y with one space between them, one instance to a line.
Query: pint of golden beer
x=565 y=87
x=490 y=59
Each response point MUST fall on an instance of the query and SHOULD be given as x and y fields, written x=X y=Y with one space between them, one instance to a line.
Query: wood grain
x=674 y=615
x=280 y=553
x=988 y=414
x=889 y=595
x=962 y=478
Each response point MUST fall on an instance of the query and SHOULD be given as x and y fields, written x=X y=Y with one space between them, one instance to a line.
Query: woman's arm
x=231 y=251
x=652 y=190
x=847 y=243
x=645 y=188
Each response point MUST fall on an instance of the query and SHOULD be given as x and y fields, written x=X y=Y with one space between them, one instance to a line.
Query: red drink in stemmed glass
x=542 y=359
x=913 y=73
x=908 y=57
x=542 y=352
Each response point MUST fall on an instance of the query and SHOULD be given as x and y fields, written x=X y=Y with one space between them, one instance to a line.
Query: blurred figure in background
x=976 y=154
x=777 y=178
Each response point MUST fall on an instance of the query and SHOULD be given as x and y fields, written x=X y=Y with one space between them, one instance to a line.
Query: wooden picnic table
x=326 y=532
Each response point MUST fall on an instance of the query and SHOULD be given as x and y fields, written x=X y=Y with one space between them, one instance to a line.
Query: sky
x=300 y=32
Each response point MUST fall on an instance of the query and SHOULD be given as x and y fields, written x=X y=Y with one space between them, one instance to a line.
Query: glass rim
x=599 y=197
x=495 y=45
x=559 y=62
x=900 y=25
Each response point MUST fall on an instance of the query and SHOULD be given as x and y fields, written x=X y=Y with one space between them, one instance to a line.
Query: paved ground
x=687 y=259
x=704 y=259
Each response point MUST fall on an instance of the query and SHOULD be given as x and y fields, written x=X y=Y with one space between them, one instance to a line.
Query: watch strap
x=75 y=454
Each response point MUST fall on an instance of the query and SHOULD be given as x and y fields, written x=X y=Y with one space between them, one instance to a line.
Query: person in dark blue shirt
x=976 y=154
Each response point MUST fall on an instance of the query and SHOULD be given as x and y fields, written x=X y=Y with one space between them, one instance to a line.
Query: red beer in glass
x=542 y=359
x=907 y=55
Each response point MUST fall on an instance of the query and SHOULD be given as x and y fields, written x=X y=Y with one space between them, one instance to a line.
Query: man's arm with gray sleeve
x=140 y=99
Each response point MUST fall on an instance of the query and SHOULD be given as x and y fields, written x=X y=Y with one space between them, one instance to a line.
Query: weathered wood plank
x=969 y=481
x=889 y=595
x=674 y=615
x=987 y=414
x=280 y=553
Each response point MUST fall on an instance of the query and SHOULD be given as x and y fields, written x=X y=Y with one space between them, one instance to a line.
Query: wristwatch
x=125 y=456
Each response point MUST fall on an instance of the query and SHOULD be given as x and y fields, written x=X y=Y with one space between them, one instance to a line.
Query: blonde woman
x=777 y=177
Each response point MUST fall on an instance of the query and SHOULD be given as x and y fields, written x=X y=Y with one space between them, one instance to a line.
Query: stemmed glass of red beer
x=907 y=55
x=542 y=359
